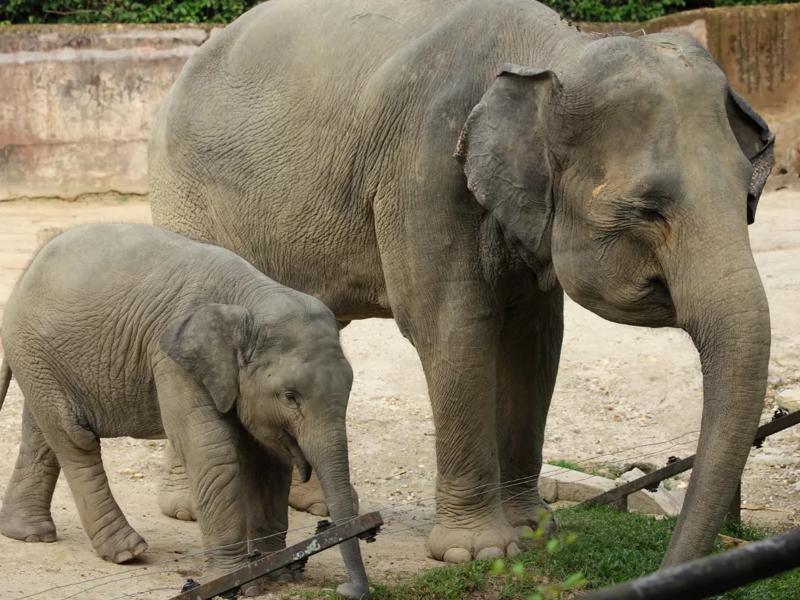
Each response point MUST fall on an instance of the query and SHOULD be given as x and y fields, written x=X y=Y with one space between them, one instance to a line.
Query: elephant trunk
x=721 y=304
x=332 y=466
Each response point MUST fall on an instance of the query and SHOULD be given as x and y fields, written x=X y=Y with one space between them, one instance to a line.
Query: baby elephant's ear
x=209 y=343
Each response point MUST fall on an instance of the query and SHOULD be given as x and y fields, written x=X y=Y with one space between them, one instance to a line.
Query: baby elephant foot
x=308 y=497
x=18 y=525
x=462 y=544
x=177 y=503
x=122 y=546
x=263 y=585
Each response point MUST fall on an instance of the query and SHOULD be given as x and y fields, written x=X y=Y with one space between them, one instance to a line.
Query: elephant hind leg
x=26 y=506
x=78 y=452
x=174 y=496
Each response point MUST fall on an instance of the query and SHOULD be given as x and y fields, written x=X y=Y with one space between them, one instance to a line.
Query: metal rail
x=619 y=494
x=364 y=527
x=712 y=575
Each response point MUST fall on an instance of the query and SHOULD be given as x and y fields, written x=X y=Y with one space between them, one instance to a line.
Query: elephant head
x=281 y=368
x=629 y=178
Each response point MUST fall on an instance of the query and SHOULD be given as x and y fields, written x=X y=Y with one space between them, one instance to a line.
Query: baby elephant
x=129 y=330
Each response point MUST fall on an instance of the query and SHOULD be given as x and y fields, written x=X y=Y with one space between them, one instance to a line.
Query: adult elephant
x=316 y=138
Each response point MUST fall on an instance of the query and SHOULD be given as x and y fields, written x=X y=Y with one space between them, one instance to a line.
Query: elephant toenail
x=525 y=533
x=457 y=555
x=490 y=552
x=123 y=556
x=32 y=538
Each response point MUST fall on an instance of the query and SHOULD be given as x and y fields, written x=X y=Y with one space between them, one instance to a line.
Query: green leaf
x=552 y=545
x=498 y=567
x=574 y=580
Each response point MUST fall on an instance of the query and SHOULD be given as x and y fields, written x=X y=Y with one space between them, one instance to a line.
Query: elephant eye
x=291 y=397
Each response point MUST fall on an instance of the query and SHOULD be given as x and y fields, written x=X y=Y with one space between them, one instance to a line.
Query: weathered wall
x=758 y=47
x=76 y=102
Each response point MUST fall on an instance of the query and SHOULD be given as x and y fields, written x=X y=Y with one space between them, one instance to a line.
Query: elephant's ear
x=210 y=344
x=502 y=148
x=756 y=141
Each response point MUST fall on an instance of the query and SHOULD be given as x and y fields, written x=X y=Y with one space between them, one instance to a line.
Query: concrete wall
x=76 y=102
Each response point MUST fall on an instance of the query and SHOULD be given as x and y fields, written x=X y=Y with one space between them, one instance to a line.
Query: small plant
x=552 y=545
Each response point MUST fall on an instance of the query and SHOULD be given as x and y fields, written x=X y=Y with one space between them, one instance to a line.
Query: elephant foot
x=176 y=502
x=527 y=517
x=263 y=585
x=120 y=547
x=308 y=497
x=18 y=525
x=462 y=544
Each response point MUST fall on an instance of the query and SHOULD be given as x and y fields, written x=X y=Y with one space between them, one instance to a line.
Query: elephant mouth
x=296 y=455
x=657 y=299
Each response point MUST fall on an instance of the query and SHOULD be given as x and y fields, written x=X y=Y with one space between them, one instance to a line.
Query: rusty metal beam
x=364 y=527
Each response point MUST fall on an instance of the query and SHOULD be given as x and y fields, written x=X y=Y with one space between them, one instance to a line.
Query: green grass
x=610 y=547
x=602 y=470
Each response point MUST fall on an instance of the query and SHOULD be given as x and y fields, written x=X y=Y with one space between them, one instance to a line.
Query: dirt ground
x=626 y=393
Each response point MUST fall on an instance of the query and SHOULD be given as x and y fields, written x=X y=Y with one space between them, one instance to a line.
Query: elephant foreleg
x=265 y=481
x=457 y=345
x=208 y=442
x=174 y=496
x=530 y=348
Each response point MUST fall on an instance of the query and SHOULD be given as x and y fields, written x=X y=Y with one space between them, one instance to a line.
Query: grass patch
x=610 y=547
x=599 y=469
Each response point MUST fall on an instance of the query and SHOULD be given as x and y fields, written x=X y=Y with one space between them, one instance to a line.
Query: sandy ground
x=622 y=392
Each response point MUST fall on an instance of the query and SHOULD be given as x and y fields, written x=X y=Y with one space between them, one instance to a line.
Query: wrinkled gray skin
x=129 y=330
x=317 y=139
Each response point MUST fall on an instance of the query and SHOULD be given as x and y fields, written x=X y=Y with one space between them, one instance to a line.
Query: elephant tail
x=5 y=379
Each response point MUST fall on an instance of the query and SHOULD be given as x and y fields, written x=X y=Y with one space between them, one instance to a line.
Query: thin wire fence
x=392 y=514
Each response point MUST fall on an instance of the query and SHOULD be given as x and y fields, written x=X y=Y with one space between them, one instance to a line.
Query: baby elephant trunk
x=333 y=469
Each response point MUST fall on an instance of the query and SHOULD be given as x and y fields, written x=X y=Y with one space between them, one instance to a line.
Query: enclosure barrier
x=294 y=557
x=618 y=497
x=712 y=575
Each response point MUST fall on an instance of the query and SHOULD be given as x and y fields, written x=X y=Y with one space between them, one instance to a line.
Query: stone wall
x=76 y=102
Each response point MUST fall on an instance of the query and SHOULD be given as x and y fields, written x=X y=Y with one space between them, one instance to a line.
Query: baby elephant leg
x=78 y=451
x=174 y=496
x=265 y=485
x=26 y=506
